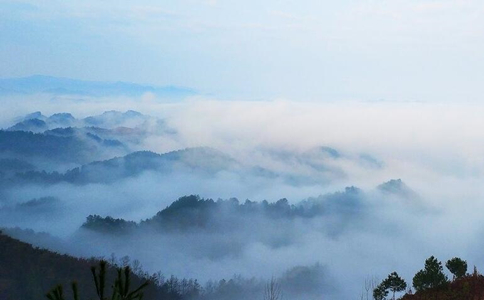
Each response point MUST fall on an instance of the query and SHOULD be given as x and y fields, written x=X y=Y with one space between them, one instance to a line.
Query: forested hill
x=76 y=149
x=28 y=273
x=469 y=287
x=201 y=161
x=195 y=213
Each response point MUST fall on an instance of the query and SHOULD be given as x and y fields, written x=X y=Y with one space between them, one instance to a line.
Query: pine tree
x=457 y=267
x=380 y=292
x=121 y=287
x=431 y=276
x=57 y=293
x=394 y=283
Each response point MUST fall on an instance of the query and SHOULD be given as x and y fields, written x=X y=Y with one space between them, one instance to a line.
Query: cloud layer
x=434 y=148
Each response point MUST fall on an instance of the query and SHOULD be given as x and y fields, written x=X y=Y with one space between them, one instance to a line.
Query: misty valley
x=93 y=188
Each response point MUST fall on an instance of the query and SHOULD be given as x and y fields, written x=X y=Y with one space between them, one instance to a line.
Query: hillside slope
x=27 y=273
x=470 y=287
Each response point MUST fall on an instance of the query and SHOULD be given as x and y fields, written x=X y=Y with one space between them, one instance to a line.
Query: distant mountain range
x=21 y=145
x=63 y=138
x=37 y=84
x=195 y=161
x=106 y=147
x=37 y=122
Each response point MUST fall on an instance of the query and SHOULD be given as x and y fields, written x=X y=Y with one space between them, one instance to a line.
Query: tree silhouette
x=431 y=276
x=457 y=267
x=394 y=283
x=272 y=290
x=380 y=292
x=120 y=289
x=57 y=293
x=370 y=285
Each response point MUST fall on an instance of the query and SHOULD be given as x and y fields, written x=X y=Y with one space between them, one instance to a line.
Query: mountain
x=130 y=129
x=397 y=187
x=34 y=115
x=192 y=213
x=84 y=148
x=217 y=229
x=113 y=119
x=66 y=86
x=27 y=273
x=124 y=129
x=33 y=125
x=200 y=161
x=109 y=120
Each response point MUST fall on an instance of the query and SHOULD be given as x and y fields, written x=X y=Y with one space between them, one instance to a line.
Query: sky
x=317 y=50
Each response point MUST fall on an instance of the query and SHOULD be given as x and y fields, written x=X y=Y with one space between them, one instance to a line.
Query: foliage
x=431 y=276
x=195 y=213
x=380 y=292
x=457 y=267
x=469 y=287
x=120 y=289
x=393 y=282
x=108 y=224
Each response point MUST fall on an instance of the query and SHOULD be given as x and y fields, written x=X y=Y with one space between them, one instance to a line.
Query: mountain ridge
x=67 y=86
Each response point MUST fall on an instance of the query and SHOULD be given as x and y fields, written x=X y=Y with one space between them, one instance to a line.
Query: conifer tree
x=431 y=276
x=457 y=267
x=380 y=292
x=394 y=283
x=120 y=289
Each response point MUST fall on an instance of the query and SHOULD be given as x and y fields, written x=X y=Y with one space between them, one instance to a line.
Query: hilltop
x=470 y=287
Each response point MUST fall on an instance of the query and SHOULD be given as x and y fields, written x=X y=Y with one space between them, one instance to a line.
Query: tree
x=121 y=288
x=272 y=290
x=457 y=267
x=431 y=276
x=370 y=285
x=380 y=292
x=394 y=283
x=57 y=293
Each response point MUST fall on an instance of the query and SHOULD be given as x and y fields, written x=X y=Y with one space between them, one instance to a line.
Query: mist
x=306 y=152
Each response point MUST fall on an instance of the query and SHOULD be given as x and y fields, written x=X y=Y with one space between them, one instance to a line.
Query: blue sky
x=371 y=50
